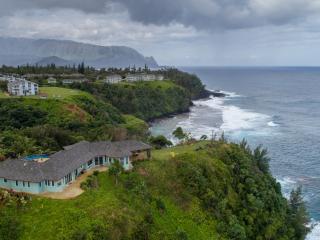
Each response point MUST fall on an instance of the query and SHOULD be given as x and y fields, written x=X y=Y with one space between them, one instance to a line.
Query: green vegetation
x=160 y=142
x=145 y=100
x=29 y=125
x=206 y=190
x=2 y=94
x=188 y=81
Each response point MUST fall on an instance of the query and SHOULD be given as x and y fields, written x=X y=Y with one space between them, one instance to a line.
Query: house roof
x=63 y=162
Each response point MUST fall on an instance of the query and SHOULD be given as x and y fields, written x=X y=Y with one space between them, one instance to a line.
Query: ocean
x=276 y=107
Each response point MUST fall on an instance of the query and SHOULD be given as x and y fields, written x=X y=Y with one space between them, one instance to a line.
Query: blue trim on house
x=59 y=186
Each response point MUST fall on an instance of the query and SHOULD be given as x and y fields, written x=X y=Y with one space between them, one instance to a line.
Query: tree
x=160 y=142
x=81 y=68
x=115 y=170
x=204 y=137
x=3 y=86
x=260 y=155
x=299 y=215
x=178 y=133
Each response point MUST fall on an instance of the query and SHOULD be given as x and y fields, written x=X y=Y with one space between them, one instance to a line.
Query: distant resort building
x=8 y=78
x=70 y=81
x=143 y=77
x=22 y=87
x=53 y=173
x=37 y=75
x=114 y=78
x=52 y=80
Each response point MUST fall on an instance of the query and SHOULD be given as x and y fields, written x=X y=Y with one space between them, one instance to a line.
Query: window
x=5 y=180
x=52 y=183
x=127 y=161
x=39 y=184
x=28 y=184
x=17 y=183
x=23 y=184
x=90 y=162
x=59 y=183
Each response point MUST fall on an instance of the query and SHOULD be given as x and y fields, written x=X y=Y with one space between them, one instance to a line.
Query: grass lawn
x=3 y=95
x=61 y=93
x=56 y=219
x=168 y=153
x=154 y=84
x=52 y=93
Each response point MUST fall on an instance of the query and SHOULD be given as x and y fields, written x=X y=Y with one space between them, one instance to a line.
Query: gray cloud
x=224 y=14
x=178 y=32
x=201 y=14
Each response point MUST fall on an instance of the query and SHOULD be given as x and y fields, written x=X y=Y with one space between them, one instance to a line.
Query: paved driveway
x=73 y=190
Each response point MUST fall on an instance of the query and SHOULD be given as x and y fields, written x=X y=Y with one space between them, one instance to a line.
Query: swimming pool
x=36 y=156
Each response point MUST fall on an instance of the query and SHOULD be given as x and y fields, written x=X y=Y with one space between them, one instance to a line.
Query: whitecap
x=227 y=93
x=287 y=184
x=235 y=118
x=231 y=94
x=272 y=124
x=315 y=233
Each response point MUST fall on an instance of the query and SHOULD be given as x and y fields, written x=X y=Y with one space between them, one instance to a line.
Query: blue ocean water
x=276 y=107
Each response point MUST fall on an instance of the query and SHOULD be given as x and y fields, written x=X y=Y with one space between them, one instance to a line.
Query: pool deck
x=73 y=190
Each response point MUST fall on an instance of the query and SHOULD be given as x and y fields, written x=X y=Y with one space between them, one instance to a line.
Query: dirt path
x=73 y=190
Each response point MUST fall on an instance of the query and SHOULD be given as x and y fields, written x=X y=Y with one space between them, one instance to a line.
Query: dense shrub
x=160 y=142
x=145 y=100
x=14 y=114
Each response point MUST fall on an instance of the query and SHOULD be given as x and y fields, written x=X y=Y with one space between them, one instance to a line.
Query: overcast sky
x=178 y=32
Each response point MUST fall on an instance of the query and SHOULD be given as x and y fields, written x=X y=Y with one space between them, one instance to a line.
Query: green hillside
x=198 y=191
x=32 y=125
x=145 y=100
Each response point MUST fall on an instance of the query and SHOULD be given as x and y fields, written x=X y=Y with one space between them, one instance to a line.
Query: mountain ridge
x=18 y=51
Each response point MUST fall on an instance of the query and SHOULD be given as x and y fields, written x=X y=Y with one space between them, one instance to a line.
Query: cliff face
x=15 y=51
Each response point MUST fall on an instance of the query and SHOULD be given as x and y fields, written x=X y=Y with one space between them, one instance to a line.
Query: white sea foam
x=235 y=118
x=229 y=94
x=315 y=233
x=287 y=184
x=272 y=124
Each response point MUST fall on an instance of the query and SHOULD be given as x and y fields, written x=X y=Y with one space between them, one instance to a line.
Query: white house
x=114 y=78
x=70 y=81
x=159 y=77
x=143 y=77
x=7 y=78
x=53 y=173
x=22 y=87
x=52 y=80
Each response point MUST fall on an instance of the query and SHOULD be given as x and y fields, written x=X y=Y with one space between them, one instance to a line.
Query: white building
x=52 y=80
x=22 y=87
x=143 y=77
x=70 y=81
x=7 y=78
x=114 y=78
x=159 y=77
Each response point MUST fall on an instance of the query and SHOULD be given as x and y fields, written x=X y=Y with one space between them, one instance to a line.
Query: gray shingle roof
x=67 y=160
